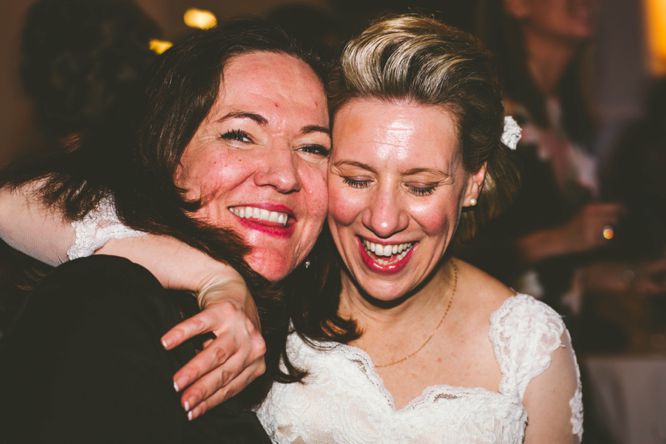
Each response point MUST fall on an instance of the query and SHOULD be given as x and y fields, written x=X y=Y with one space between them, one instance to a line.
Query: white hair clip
x=512 y=132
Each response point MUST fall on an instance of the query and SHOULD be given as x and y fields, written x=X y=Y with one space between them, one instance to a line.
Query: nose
x=385 y=214
x=279 y=169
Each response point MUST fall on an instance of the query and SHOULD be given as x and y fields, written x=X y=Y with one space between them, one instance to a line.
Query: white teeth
x=388 y=250
x=261 y=214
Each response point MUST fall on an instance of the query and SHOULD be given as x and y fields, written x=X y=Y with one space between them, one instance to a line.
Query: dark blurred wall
x=14 y=106
x=15 y=122
x=620 y=49
x=622 y=68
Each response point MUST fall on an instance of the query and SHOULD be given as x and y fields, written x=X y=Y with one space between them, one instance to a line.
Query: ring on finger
x=608 y=232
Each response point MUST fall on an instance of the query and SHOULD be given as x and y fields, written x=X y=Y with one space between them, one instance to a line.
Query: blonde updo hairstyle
x=422 y=60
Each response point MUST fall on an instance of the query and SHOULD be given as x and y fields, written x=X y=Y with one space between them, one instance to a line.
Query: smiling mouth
x=262 y=215
x=387 y=255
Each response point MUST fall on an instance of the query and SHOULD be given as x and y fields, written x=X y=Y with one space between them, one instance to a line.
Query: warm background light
x=199 y=18
x=655 y=20
x=159 y=46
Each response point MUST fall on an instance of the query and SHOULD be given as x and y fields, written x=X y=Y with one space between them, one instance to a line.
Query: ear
x=178 y=175
x=474 y=186
x=518 y=9
x=182 y=180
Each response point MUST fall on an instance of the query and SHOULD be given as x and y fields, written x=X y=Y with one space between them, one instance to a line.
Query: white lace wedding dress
x=343 y=400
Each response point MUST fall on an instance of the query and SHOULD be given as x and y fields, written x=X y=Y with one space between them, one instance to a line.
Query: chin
x=272 y=267
x=386 y=295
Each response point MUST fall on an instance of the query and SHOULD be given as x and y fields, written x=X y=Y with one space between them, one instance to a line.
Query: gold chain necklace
x=439 y=324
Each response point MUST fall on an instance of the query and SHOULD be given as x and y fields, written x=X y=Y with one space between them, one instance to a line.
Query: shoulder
x=479 y=294
x=102 y=276
x=491 y=300
x=526 y=335
x=480 y=286
x=525 y=320
x=523 y=312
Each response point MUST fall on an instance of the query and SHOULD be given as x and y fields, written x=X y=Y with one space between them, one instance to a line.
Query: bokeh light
x=655 y=12
x=159 y=46
x=199 y=18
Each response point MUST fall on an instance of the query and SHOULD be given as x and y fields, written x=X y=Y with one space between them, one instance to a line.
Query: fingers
x=189 y=328
x=595 y=224
x=224 y=356
x=214 y=355
x=651 y=278
x=234 y=355
x=210 y=319
x=602 y=212
x=216 y=387
x=657 y=266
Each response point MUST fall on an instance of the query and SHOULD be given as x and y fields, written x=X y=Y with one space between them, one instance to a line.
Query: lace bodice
x=343 y=399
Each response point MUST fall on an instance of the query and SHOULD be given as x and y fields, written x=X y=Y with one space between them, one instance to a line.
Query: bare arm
x=237 y=352
x=28 y=226
x=583 y=232
x=548 y=399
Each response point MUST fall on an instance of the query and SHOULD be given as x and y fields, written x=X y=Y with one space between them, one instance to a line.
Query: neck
x=424 y=303
x=547 y=58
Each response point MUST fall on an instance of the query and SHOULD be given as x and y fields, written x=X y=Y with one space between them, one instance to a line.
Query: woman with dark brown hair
x=230 y=158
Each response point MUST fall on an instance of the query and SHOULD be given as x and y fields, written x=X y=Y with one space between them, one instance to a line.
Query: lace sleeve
x=97 y=228
x=525 y=332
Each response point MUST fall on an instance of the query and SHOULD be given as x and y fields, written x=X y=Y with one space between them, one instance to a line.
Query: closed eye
x=422 y=190
x=356 y=183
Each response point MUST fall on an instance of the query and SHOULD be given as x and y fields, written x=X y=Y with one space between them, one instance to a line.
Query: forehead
x=272 y=81
x=400 y=130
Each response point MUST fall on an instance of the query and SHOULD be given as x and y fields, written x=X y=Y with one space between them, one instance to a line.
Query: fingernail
x=175 y=386
x=187 y=406
x=190 y=416
x=165 y=344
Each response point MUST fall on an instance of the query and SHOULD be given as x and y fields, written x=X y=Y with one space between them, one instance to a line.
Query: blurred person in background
x=558 y=232
x=82 y=66
x=636 y=266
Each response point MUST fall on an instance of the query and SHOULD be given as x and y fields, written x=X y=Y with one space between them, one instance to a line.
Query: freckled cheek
x=314 y=183
x=212 y=184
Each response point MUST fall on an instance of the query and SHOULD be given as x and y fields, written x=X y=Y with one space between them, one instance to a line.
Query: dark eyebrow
x=315 y=129
x=261 y=120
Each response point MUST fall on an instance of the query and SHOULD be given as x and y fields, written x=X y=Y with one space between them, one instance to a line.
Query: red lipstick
x=271 y=228
x=391 y=268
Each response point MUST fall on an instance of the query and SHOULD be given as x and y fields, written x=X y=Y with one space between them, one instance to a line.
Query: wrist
x=232 y=291
x=223 y=287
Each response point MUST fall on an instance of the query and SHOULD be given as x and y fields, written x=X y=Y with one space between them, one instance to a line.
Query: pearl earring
x=472 y=201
